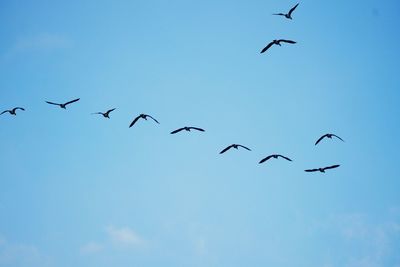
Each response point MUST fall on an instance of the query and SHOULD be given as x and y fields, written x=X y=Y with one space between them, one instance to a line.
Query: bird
x=236 y=146
x=276 y=42
x=106 y=114
x=64 y=106
x=288 y=15
x=322 y=169
x=275 y=156
x=186 y=128
x=12 y=111
x=142 y=116
x=328 y=135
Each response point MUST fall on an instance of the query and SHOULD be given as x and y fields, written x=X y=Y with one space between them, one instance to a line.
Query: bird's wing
x=319 y=140
x=72 y=101
x=14 y=109
x=287 y=41
x=245 y=147
x=331 y=167
x=153 y=119
x=267 y=47
x=5 y=111
x=265 y=159
x=177 y=130
x=52 y=103
x=338 y=137
x=97 y=113
x=110 y=110
x=134 y=121
x=293 y=8
x=198 y=129
x=279 y=14
x=226 y=149
x=311 y=170
x=284 y=157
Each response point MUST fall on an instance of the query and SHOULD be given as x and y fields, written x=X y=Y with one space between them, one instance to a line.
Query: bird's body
x=322 y=169
x=186 y=128
x=105 y=114
x=275 y=156
x=142 y=116
x=276 y=42
x=329 y=135
x=63 y=105
x=236 y=146
x=289 y=14
x=12 y=111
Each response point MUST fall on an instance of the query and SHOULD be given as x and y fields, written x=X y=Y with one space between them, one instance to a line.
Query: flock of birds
x=187 y=128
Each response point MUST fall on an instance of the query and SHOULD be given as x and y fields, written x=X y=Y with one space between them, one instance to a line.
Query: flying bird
x=275 y=156
x=63 y=105
x=187 y=129
x=276 y=42
x=105 y=114
x=328 y=136
x=236 y=146
x=322 y=169
x=142 y=116
x=288 y=15
x=12 y=111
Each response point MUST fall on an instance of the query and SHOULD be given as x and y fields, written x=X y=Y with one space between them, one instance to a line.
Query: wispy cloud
x=91 y=247
x=42 y=41
x=124 y=236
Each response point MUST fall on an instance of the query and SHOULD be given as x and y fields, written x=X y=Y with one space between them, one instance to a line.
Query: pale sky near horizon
x=81 y=190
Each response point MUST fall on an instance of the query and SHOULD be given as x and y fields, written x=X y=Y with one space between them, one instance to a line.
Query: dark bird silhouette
x=105 y=114
x=276 y=42
x=322 y=169
x=142 y=116
x=187 y=129
x=64 y=106
x=275 y=156
x=288 y=15
x=236 y=146
x=12 y=111
x=328 y=136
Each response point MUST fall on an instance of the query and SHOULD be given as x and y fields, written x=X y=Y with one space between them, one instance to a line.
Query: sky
x=81 y=190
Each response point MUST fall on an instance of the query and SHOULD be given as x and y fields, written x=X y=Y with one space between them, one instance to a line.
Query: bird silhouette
x=105 y=114
x=64 y=106
x=328 y=136
x=236 y=146
x=322 y=169
x=276 y=42
x=142 y=116
x=12 y=111
x=288 y=15
x=275 y=156
x=187 y=129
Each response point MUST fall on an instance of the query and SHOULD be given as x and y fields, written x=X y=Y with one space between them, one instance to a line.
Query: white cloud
x=91 y=247
x=124 y=236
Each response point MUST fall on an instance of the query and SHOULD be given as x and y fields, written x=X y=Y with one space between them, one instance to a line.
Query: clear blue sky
x=80 y=190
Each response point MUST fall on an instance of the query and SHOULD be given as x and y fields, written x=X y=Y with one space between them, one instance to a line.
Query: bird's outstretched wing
x=72 y=101
x=284 y=157
x=312 y=170
x=279 y=14
x=97 y=113
x=177 y=130
x=52 y=103
x=245 y=147
x=322 y=137
x=198 y=129
x=287 y=41
x=14 y=109
x=291 y=11
x=267 y=47
x=152 y=118
x=5 y=111
x=110 y=110
x=265 y=159
x=134 y=121
x=338 y=137
x=331 y=167
x=226 y=149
